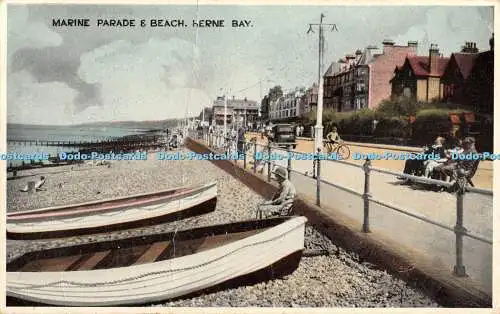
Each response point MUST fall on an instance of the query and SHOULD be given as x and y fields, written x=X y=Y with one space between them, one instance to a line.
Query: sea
x=82 y=133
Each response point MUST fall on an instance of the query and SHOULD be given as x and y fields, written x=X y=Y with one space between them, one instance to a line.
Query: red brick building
x=362 y=80
x=381 y=70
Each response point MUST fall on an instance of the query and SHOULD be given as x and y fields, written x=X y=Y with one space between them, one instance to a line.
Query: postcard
x=260 y=156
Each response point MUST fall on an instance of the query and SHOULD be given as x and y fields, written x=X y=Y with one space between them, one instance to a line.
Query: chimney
x=433 y=59
x=492 y=44
x=413 y=44
x=388 y=42
x=470 y=47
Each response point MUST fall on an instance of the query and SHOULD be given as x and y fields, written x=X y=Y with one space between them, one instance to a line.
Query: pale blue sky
x=80 y=75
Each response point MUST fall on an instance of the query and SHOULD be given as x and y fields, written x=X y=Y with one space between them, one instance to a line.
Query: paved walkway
x=482 y=179
x=434 y=242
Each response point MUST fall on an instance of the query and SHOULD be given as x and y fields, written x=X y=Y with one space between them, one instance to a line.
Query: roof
x=420 y=65
x=332 y=69
x=465 y=62
x=242 y=103
x=366 y=57
x=237 y=103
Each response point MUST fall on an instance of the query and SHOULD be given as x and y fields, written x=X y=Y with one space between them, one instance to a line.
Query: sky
x=70 y=75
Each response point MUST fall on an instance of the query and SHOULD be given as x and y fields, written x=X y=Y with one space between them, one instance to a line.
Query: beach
x=338 y=280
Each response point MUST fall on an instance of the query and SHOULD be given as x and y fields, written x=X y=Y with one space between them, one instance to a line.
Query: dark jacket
x=436 y=150
x=451 y=142
x=466 y=164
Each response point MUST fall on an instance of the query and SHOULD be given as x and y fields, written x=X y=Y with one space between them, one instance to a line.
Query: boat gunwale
x=146 y=199
x=180 y=235
x=202 y=208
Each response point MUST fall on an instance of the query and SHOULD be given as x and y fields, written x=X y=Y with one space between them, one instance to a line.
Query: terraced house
x=287 y=107
x=468 y=79
x=465 y=78
x=362 y=80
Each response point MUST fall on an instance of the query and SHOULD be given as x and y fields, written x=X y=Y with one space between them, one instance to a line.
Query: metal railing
x=230 y=143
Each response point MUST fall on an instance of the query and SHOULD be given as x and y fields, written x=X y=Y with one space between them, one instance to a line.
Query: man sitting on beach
x=282 y=202
x=38 y=185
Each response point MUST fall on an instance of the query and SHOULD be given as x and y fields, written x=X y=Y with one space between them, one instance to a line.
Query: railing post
x=459 y=269
x=318 y=179
x=314 y=168
x=268 y=160
x=289 y=162
x=366 y=196
x=244 y=155
x=255 y=157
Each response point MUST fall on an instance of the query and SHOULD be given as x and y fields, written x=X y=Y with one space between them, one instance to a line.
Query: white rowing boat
x=112 y=214
x=155 y=268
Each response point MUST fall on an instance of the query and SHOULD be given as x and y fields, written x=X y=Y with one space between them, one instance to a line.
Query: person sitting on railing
x=437 y=150
x=282 y=202
x=450 y=168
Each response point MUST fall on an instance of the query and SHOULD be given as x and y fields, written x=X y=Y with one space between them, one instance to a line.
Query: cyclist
x=333 y=137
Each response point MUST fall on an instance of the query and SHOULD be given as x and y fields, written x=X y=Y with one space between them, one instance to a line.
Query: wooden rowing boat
x=149 y=269
x=112 y=214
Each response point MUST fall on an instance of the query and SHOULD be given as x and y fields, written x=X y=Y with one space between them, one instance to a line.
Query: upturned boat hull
x=111 y=215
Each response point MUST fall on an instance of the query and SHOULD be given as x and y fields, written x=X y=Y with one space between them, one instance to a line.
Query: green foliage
x=430 y=123
x=432 y=119
x=400 y=107
x=275 y=93
x=392 y=127
x=437 y=113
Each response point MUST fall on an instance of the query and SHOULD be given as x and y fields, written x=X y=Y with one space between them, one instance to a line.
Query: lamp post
x=318 y=128
x=225 y=115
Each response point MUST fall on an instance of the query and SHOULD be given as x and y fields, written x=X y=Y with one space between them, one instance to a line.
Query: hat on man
x=469 y=140
x=280 y=171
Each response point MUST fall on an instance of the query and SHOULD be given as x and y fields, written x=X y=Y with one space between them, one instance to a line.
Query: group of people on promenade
x=446 y=166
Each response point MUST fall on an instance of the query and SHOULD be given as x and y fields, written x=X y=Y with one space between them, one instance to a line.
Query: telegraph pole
x=318 y=128
x=225 y=115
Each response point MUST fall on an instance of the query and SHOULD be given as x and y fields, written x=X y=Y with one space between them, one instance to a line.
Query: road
x=434 y=242
x=482 y=179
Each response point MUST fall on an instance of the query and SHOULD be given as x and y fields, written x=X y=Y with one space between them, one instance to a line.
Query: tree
x=275 y=93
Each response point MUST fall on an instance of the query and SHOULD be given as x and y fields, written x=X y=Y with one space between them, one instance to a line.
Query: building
x=381 y=70
x=309 y=100
x=241 y=112
x=362 y=80
x=219 y=110
x=287 y=107
x=480 y=82
x=456 y=74
x=419 y=77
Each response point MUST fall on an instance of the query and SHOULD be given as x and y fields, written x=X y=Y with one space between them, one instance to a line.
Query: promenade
x=421 y=238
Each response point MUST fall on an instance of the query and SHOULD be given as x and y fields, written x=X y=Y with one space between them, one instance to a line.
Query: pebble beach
x=336 y=280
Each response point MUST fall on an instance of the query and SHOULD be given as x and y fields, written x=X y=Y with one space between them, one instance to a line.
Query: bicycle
x=340 y=149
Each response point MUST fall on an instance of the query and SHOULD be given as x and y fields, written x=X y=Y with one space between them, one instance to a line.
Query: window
x=407 y=92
